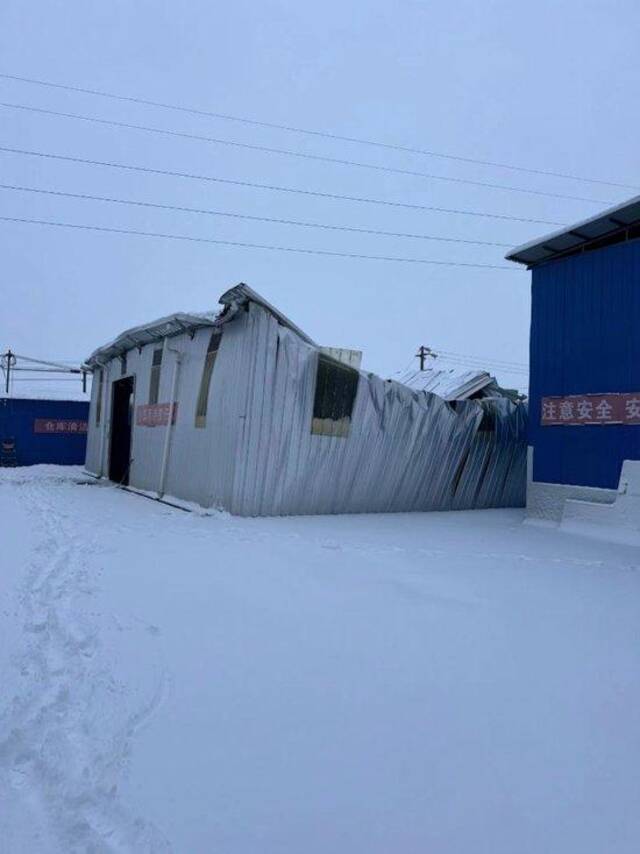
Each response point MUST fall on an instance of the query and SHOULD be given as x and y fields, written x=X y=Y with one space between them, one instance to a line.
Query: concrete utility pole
x=425 y=353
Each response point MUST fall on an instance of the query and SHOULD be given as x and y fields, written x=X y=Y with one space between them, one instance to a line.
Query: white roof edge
x=176 y=324
x=513 y=254
x=242 y=293
x=147 y=333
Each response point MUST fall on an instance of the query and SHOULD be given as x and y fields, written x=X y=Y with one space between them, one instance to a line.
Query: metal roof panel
x=608 y=221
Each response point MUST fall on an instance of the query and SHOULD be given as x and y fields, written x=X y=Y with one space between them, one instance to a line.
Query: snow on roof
x=242 y=294
x=156 y=330
x=447 y=383
x=573 y=236
x=176 y=324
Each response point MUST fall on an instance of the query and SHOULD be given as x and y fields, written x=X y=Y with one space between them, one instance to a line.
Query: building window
x=205 y=382
x=154 y=383
x=336 y=388
x=123 y=364
x=99 y=396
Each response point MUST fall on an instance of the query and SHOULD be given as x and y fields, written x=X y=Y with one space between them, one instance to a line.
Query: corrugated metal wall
x=17 y=421
x=585 y=337
x=406 y=449
x=201 y=460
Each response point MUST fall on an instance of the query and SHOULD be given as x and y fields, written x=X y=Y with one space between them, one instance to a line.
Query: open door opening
x=121 y=425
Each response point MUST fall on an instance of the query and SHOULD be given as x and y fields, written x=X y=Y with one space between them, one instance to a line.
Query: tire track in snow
x=64 y=745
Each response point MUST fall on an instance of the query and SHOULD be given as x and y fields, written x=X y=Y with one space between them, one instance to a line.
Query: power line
x=244 y=245
x=511 y=362
x=253 y=218
x=317 y=133
x=289 y=153
x=485 y=365
x=274 y=187
x=482 y=361
x=47 y=364
x=36 y=380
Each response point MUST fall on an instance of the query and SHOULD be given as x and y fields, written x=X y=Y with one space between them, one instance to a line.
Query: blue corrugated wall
x=17 y=419
x=585 y=337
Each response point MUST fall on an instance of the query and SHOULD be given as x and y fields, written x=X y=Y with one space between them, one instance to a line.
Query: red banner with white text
x=57 y=425
x=156 y=414
x=576 y=409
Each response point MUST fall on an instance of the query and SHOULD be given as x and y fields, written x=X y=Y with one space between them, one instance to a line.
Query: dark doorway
x=121 y=424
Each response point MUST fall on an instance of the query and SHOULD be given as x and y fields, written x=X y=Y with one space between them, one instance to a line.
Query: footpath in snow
x=446 y=683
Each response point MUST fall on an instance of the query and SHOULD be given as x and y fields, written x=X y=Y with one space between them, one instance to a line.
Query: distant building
x=584 y=360
x=240 y=409
x=44 y=410
x=40 y=430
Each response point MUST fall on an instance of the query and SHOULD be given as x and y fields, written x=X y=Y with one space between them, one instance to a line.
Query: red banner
x=55 y=425
x=576 y=409
x=156 y=414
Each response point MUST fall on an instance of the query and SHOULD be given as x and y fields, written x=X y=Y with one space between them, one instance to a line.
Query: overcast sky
x=545 y=85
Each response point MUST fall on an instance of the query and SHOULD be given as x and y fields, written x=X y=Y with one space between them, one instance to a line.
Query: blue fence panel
x=43 y=431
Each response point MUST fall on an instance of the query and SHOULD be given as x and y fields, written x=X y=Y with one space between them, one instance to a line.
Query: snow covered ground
x=454 y=683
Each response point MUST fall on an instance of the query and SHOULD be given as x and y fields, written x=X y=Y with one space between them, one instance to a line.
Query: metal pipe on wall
x=102 y=390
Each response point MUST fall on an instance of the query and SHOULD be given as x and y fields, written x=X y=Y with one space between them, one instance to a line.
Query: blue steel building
x=584 y=359
x=34 y=431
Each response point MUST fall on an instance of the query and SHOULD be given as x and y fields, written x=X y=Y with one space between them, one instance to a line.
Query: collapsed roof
x=448 y=384
x=452 y=384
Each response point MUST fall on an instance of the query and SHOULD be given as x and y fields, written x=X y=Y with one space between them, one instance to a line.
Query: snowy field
x=452 y=683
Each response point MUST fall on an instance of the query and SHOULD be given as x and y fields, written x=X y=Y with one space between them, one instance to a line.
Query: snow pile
x=446 y=682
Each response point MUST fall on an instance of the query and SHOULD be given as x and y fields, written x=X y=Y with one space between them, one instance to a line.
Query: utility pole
x=9 y=361
x=425 y=353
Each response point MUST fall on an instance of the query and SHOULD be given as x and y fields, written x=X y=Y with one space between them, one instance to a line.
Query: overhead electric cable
x=511 y=362
x=36 y=380
x=253 y=218
x=310 y=132
x=244 y=245
x=503 y=363
x=289 y=153
x=486 y=365
x=39 y=362
x=272 y=187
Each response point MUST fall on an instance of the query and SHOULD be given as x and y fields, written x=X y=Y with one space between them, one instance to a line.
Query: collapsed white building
x=241 y=410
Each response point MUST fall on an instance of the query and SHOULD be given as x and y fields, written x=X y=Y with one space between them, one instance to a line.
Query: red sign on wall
x=55 y=425
x=156 y=414
x=576 y=409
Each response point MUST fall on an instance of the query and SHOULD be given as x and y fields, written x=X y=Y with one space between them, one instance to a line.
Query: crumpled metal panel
x=406 y=450
x=447 y=383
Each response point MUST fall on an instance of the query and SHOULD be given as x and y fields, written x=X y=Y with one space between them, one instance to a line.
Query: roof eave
x=572 y=237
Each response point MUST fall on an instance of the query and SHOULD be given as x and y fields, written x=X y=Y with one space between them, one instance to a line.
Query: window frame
x=202 y=401
x=334 y=398
x=155 y=375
